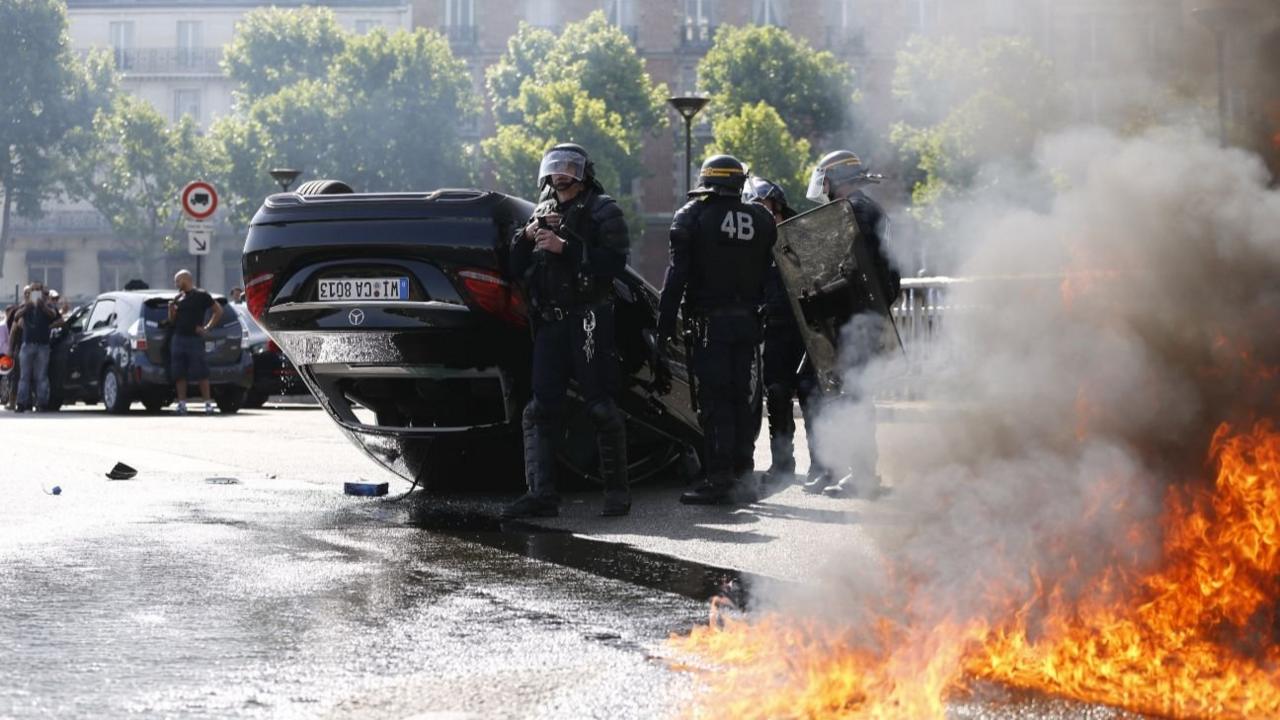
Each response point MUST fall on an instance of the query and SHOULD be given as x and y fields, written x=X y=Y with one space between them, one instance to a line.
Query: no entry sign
x=199 y=200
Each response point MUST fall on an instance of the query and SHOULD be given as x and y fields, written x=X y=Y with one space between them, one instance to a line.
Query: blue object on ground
x=57 y=490
x=365 y=489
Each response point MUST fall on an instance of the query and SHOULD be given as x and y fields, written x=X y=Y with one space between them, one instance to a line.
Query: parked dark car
x=116 y=351
x=273 y=374
x=397 y=312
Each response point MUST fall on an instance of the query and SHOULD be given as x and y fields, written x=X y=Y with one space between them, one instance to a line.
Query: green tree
x=535 y=87
x=386 y=116
x=134 y=171
x=967 y=107
x=757 y=136
x=811 y=90
x=44 y=93
x=275 y=47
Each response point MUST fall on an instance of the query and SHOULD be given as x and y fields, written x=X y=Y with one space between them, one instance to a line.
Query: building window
x=699 y=21
x=542 y=13
x=115 y=268
x=122 y=43
x=459 y=13
x=621 y=12
x=923 y=16
x=46 y=266
x=190 y=42
x=186 y=102
x=769 y=12
x=364 y=27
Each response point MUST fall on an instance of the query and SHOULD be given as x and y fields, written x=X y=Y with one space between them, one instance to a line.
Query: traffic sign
x=199 y=200
x=198 y=242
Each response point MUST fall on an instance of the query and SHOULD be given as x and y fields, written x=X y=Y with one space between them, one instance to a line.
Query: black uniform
x=573 y=323
x=720 y=249
x=845 y=308
x=783 y=379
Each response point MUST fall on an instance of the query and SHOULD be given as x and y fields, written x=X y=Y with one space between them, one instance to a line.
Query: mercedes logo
x=356 y=317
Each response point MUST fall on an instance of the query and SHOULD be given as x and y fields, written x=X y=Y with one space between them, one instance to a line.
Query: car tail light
x=137 y=335
x=495 y=295
x=257 y=293
x=273 y=347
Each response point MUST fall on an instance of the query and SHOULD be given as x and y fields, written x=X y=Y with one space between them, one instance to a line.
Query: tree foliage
x=811 y=90
x=967 y=107
x=135 y=169
x=596 y=93
x=757 y=136
x=45 y=93
x=386 y=116
x=275 y=47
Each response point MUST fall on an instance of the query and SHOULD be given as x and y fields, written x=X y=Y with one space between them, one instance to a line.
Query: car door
x=93 y=345
x=64 y=361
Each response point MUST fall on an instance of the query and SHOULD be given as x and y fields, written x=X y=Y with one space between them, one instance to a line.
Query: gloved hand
x=658 y=364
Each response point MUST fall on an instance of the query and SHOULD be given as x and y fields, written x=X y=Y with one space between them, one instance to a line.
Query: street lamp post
x=285 y=177
x=688 y=107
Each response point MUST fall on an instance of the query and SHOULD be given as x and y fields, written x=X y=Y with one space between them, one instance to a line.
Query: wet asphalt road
x=205 y=588
x=232 y=578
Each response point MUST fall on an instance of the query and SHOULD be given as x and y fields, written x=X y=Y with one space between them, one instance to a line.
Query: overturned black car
x=397 y=313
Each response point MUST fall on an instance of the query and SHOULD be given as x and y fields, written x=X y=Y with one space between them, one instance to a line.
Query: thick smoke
x=1108 y=334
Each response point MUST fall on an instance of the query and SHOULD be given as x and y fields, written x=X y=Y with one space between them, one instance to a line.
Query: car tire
x=230 y=402
x=115 y=397
x=324 y=187
x=254 y=400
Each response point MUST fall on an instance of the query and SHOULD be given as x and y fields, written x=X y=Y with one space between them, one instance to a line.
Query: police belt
x=555 y=313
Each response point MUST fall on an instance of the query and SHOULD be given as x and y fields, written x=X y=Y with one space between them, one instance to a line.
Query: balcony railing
x=697 y=37
x=462 y=37
x=168 y=61
x=63 y=221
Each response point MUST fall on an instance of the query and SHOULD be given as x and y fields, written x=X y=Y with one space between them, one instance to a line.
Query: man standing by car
x=37 y=317
x=187 y=317
x=567 y=257
x=840 y=177
x=720 y=250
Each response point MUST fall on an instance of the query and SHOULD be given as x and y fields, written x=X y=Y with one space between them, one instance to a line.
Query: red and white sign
x=199 y=200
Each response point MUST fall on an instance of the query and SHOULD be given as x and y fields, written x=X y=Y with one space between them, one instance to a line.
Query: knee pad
x=605 y=415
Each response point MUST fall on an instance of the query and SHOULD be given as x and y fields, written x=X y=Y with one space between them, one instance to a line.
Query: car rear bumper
x=145 y=373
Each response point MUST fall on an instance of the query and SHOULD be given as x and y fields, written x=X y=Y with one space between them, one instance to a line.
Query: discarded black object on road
x=365 y=489
x=121 y=472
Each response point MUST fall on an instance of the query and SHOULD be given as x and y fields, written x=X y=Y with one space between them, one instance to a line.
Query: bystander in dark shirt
x=36 y=323
x=192 y=306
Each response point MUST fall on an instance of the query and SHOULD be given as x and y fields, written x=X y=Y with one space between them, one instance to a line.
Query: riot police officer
x=720 y=249
x=567 y=256
x=841 y=176
x=783 y=348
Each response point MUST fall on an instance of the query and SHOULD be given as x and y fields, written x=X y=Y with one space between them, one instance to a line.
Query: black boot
x=611 y=434
x=709 y=492
x=539 y=459
x=819 y=480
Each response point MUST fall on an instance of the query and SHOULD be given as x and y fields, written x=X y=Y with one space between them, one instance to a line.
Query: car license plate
x=364 y=289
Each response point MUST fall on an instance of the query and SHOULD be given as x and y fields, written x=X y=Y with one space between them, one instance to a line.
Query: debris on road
x=365 y=489
x=121 y=472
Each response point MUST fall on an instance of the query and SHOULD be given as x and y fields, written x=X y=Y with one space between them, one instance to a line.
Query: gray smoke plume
x=1085 y=368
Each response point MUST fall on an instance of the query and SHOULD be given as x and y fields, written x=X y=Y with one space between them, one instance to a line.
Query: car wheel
x=255 y=400
x=115 y=397
x=231 y=401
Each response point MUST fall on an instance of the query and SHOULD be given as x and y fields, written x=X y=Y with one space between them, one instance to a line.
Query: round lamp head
x=688 y=106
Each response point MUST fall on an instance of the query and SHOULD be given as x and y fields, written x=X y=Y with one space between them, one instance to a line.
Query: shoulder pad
x=604 y=207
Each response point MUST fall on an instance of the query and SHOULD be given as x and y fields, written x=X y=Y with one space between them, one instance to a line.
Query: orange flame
x=1192 y=638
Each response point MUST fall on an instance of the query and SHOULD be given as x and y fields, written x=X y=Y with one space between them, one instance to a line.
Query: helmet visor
x=816 y=193
x=562 y=162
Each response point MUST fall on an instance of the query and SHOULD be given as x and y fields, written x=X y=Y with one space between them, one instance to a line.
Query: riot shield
x=831 y=276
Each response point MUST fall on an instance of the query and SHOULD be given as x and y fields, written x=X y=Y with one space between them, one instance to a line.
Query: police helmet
x=566 y=159
x=758 y=190
x=838 y=168
x=721 y=175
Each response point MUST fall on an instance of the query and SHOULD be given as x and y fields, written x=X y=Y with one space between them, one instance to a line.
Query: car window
x=103 y=314
x=75 y=323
